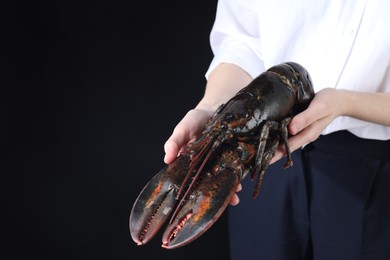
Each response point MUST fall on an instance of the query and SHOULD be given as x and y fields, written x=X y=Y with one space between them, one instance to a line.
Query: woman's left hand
x=307 y=126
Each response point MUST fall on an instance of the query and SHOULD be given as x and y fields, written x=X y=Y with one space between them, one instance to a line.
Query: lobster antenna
x=194 y=162
x=183 y=199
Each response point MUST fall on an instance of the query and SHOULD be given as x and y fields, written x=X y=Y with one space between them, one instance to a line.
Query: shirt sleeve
x=235 y=37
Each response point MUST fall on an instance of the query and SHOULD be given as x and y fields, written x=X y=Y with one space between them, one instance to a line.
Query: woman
x=334 y=203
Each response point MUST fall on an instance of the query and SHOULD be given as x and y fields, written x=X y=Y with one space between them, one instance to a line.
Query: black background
x=90 y=91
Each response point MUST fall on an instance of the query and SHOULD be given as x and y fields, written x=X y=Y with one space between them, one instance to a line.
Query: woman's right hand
x=186 y=131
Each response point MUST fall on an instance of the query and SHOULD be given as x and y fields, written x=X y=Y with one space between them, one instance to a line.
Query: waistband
x=347 y=143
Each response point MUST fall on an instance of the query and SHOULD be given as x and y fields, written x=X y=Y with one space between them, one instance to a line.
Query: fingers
x=302 y=138
x=176 y=141
x=171 y=149
x=322 y=110
x=306 y=118
x=235 y=199
x=306 y=127
x=239 y=188
x=187 y=130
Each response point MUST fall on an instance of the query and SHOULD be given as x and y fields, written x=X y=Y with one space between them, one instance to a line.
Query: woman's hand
x=307 y=126
x=188 y=130
x=223 y=83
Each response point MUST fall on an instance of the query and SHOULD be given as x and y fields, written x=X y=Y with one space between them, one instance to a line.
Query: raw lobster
x=241 y=138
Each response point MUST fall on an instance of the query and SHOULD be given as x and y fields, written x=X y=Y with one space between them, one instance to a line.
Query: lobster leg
x=283 y=130
x=267 y=148
x=264 y=140
x=263 y=165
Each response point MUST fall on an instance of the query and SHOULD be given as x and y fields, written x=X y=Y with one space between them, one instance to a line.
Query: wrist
x=344 y=102
x=209 y=106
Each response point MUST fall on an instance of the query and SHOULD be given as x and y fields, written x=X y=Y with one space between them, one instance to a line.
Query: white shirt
x=342 y=43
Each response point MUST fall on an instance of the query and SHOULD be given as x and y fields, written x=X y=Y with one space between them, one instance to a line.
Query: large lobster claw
x=157 y=201
x=205 y=204
x=192 y=213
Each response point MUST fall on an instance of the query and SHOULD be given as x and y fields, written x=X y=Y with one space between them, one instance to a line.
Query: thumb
x=171 y=150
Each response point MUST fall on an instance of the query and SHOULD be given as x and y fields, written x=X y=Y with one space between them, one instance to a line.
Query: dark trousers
x=334 y=203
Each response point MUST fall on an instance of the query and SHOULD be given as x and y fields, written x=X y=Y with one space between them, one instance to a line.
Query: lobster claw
x=206 y=197
x=157 y=200
x=205 y=204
